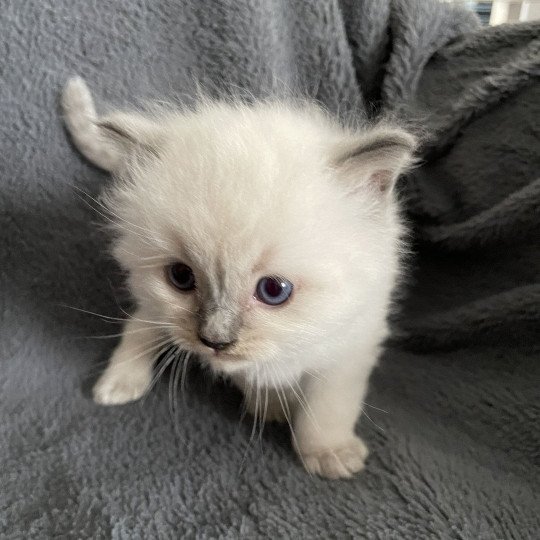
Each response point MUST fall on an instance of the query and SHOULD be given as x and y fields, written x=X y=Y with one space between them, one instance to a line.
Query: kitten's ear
x=374 y=160
x=129 y=132
x=105 y=141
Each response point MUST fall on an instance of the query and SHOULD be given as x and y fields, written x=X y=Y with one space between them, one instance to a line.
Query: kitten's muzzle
x=218 y=327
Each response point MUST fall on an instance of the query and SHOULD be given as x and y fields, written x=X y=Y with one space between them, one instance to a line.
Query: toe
x=339 y=462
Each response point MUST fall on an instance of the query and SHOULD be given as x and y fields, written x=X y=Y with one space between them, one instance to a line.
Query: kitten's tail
x=81 y=121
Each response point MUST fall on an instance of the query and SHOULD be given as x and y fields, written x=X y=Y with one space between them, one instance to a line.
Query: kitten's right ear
x=107 y=141
x=374 y=159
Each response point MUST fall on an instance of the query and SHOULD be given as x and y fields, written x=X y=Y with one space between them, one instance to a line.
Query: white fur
x=239 y=192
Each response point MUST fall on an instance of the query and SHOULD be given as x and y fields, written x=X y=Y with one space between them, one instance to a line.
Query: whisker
x=176 y=306
x=180 y=363
x=106 y=317
x=286 y=413
x=156 y=265
x=370 y=419
x=141 y=258
x=108 y=210
x=265 y=412
x=317 y=376
x=117 y=319
x=124 y=333
x=115 y=223
x=256 y=412
x=254 y=386
x=183 y=377
x=302 y=400
x=172 y=410
x=373 y=407
x=156 y=344
x=160 y=369
x=133 y=318
x=247 y=398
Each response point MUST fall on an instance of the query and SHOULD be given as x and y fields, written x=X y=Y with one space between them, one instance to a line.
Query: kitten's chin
x=223 y=363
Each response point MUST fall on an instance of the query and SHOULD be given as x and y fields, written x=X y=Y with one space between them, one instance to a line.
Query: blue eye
x=181 y=276
x=273 y=290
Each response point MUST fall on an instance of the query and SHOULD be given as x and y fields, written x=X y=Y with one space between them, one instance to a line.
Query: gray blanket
x=453 y=415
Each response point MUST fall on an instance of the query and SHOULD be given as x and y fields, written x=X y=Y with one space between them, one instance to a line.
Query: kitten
x=263 y=238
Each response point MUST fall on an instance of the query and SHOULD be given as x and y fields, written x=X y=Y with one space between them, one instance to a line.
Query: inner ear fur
x=376 y=158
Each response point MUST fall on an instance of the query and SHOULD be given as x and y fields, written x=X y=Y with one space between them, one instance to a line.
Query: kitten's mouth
x=214 y=354
x=219 y=356
x=223 y=356
x=225 y=361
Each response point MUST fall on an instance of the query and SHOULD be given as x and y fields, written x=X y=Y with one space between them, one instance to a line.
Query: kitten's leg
x=129 y=372
x=324 y=429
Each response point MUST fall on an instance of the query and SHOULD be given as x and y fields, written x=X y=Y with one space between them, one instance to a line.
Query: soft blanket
x=453 y=415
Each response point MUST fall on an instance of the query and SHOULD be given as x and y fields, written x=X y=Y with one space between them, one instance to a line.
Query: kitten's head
x=255 y=233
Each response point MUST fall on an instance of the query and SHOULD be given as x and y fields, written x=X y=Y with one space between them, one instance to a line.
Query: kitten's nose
x=217 y=346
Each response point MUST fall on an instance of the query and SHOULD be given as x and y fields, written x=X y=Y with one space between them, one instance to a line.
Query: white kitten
x=263 y=238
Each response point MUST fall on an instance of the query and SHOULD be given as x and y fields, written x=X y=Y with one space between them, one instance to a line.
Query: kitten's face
x=246 y=244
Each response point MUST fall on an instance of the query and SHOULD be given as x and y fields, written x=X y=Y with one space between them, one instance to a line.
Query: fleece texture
x=453 y=417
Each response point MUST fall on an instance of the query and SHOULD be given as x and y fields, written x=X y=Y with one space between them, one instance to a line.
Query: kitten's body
x=238 y=193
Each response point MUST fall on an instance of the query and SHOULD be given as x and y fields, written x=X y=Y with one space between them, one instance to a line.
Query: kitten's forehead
x=226 y=259
x=236 y=209
x=252 y=153
x=233 y=230
x=237 y=197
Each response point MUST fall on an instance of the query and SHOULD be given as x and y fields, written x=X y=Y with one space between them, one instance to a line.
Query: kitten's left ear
x=106 y=141
x=374 y=160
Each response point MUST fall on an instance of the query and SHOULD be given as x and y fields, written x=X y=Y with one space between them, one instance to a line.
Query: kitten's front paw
x=119 y=387
x=339 y=462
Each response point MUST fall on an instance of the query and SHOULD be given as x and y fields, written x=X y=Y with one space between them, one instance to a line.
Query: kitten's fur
x=239 y=192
